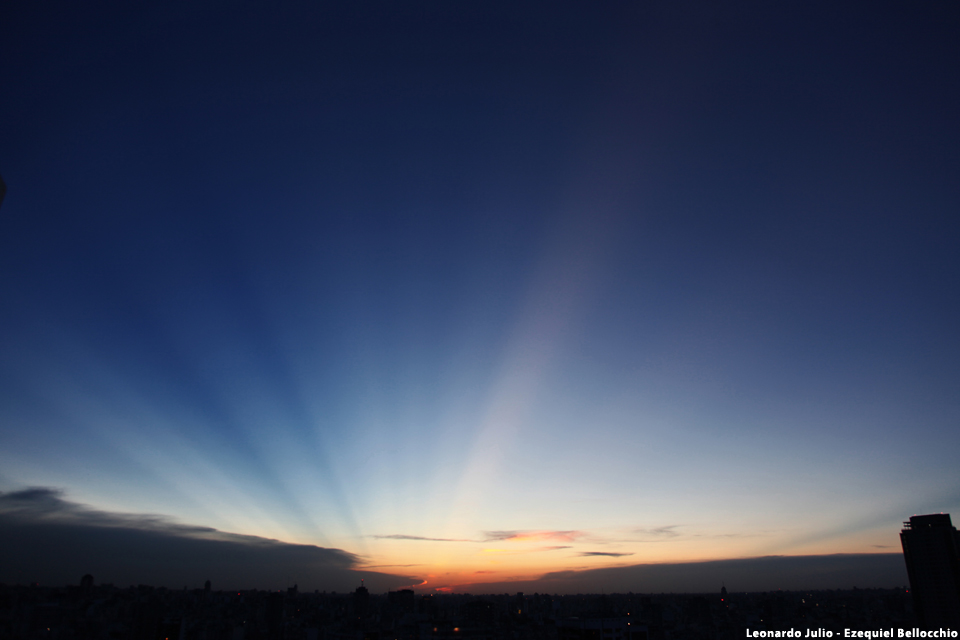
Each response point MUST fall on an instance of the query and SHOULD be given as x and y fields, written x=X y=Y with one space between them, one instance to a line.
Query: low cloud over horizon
x=769 y=573
x=47 y=539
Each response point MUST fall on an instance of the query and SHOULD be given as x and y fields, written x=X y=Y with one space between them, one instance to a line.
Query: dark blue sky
x=325 y=274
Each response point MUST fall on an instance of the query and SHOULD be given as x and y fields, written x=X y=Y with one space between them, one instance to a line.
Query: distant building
x=931 y=549
x=478 y=613
x=274 y=616
x=601 y=627
x=403 y=601
x=428 y=605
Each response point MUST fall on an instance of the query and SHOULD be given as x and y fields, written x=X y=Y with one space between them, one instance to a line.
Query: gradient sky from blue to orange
x=665 y=280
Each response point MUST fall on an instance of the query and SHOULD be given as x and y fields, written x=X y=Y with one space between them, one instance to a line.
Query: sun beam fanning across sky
x=481 y=295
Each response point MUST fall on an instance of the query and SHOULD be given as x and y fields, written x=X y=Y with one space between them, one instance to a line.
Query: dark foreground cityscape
x=148 y=613
x=930 y=607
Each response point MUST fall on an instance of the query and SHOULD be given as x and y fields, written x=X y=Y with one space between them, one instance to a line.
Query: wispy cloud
x=730 y=535
x=499 y=536
x=526 y=550
x=609 y=554
x=660 y=533
x=531 y=536
x=401 y=536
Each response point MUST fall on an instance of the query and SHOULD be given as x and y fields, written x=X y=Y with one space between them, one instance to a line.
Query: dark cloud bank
x=46 y=539
x=839 y=571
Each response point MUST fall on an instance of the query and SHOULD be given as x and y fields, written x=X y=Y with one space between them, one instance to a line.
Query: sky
x=448 y=294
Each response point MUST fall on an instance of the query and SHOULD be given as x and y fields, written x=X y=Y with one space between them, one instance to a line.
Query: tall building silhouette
x=931 y=549
x=361 y=601
x=274 y=616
